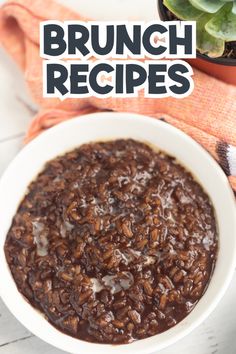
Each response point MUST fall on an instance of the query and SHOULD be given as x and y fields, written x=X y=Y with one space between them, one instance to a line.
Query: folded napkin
x=208 y=115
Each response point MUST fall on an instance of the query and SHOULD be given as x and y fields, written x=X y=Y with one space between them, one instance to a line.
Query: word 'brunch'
x=116 y=59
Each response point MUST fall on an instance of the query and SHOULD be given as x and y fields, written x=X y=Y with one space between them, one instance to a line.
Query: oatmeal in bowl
x=117 y=240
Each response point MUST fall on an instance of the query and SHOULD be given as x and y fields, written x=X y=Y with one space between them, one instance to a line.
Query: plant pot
x=221 y=68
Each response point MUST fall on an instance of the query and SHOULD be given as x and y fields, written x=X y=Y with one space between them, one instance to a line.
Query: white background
x=218 y=334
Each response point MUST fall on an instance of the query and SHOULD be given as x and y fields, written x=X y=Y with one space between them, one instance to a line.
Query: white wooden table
x=217 y=335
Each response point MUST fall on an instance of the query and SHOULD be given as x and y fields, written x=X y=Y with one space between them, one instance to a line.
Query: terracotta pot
x=221 y=68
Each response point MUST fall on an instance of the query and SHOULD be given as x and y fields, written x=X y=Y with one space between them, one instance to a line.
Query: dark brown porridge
x=114 y=242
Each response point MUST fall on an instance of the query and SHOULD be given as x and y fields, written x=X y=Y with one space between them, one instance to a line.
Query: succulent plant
x=216 y=22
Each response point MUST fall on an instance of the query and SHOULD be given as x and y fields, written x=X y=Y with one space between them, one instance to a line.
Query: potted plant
x=216 y=33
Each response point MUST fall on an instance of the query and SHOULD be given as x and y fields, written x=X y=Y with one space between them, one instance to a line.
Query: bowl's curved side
x=104 y=126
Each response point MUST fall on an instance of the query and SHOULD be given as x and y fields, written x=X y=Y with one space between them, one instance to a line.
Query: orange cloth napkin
x=208 y=115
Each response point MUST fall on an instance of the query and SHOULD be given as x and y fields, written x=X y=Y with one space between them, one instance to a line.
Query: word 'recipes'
x=104 y=59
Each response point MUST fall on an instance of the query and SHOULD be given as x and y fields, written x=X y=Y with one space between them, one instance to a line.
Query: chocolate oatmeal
x=114 y=242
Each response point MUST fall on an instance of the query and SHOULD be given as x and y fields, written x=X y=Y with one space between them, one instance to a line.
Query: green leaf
x=183 y=9
x=210 y=6
x=223 y=24
x=234 y=8
x=206 y=43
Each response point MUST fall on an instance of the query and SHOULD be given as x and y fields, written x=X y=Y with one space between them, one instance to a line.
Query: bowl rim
x=148 y=345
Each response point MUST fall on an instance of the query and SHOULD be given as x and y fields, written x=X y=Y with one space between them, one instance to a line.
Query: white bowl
x=73 y=133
